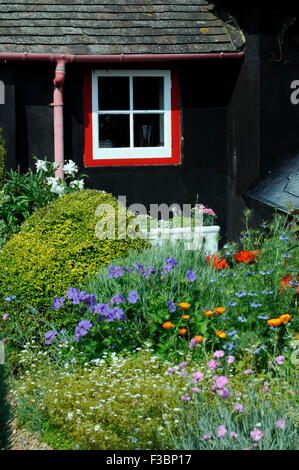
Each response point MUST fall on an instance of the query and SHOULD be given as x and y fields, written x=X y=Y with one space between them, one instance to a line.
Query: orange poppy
x=167 y=325
x=184 y=305
x=246 y=256
x=285 y=282
x=274 y=321
x=297 y=336
x=199 y=338
x=285 y=318
x=219 y=310
x=216 y=262
x=221 y=334
x=183 y=331
x=208 y=314
x=185 y=317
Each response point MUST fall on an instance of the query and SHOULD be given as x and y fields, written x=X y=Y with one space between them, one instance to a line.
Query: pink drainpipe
x=58 y=116
x=62 y=59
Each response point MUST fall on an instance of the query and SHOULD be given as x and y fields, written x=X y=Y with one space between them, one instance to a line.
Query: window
x=131 y=118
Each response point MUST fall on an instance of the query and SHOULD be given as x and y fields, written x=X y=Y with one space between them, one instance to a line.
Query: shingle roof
x=114 y=27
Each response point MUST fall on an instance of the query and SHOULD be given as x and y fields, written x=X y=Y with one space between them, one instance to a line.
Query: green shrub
x=2 y=159
x=56 y=248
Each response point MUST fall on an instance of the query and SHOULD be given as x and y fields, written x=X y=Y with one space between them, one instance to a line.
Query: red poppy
x=246 y=256
x=217 y=263
x=285 y=282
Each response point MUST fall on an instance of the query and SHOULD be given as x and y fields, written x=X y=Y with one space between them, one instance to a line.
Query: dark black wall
x=237 y=120
x=205 y=92
x=8 y=113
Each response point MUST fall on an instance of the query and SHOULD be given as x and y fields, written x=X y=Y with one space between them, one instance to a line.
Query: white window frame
x=132 y=152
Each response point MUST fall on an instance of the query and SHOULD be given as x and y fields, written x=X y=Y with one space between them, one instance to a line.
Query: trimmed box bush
x=57 y=247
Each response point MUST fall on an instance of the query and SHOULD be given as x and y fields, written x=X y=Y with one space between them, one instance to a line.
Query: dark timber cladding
x=114 y=27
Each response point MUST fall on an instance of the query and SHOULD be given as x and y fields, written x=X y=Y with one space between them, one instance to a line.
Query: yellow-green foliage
x=57 y=247
x=128 y=403
x=2 y=159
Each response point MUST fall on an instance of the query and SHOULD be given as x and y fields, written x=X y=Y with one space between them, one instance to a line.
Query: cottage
x=158 y=101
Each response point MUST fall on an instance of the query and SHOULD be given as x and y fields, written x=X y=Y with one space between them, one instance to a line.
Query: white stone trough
x=194 y=237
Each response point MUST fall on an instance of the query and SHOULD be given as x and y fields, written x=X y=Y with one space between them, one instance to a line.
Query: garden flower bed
x=167 y=350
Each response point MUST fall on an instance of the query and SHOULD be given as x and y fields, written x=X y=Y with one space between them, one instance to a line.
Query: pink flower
x=198 y=375
x=186 y=397
x=279 y=359
x=224 y=392
x=171 y=371
x=213 y=364
x=221 y=430
x=238 y=407
x=193 y=343
x=195 y=390
x=183 y=374
x=230 y=359
x=182 y=365
x=247 y=372
x=233 y=434
x=4 y=340
x=218 y=354
x=5 y=317
x=206 y=436
x=256 y=434
x=221 y=381
x=280 y=423
x=265 y=388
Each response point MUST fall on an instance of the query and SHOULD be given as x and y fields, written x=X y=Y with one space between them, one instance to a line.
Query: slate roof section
x=115 y=27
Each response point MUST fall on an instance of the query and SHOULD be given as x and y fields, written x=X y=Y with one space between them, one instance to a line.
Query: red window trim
x=175 y=158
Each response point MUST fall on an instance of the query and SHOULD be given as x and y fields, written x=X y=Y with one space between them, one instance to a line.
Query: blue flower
x=263 y=273
x=286 y=256
x=191 y=276
x=231 y=333
x=118 y=314
x=133 y=297
x=212 y=280
x=9 y=299
x=262 y=317
x=249 y=273
x=115 y=271
x=252 y=294
x=255 y=305
x=149 y=271
x=284 y=238
x=267 y=292
x=117 y=299
x=139 y=268
x=165 y=269
x=242 y=319
x=172 y=262
x=50 y=335
x=232 y=304
x=102 y=309
x=171 y=306
x=57 y=303
x=73 y=294
x=241 y=294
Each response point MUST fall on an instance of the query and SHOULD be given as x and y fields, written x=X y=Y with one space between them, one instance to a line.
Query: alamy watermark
x=171 y=221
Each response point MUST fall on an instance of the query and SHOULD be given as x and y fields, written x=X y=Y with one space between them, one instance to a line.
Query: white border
x=129 y=152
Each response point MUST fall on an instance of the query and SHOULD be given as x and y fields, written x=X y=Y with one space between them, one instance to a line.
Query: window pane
x=114 y=93
x=114 y=130
x=148 y=92
x=148 y=130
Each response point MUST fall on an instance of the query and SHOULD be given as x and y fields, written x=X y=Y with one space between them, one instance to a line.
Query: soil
x=22 y=439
